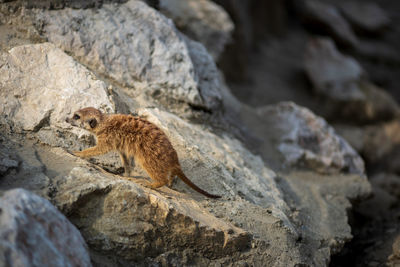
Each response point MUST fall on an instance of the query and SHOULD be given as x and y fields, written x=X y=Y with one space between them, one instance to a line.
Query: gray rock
x=321 y=15
x=131 y=44
x=35 y=233
x=203 y=21
x=209 y=77
x=7 y=162
x=332 y=73
x=41 y=86
x=306 y=140
x=367 y=17
x=341 y=81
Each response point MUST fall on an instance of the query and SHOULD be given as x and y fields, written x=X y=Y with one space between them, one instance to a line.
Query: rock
x=27 y=171
x=394 y=258
x=35 y=233
x=366 y=17
x=340 y=80
x=7 y=162
x=305 y=140
x=133 y=45
x=388 y=182
x=41 y=86
x=323 y=16
x=136 y=223
x=381 y=140
x=203 y=21
x=332 y=73
x=209 y=76
x=379 y=144
x=380 y=215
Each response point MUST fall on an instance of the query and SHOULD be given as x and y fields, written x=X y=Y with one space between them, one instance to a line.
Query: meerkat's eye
x=93 y=123
x=76 y=117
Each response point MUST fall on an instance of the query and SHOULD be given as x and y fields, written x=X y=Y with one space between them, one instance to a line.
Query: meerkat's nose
x=67 y=120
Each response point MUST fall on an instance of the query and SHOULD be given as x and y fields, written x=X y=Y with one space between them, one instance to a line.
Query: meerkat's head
x=86 y=118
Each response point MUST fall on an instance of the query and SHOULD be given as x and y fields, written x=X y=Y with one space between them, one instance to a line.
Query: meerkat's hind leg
x=158 y=179
x=126 y=164
x=156 y=184
x=170 y=179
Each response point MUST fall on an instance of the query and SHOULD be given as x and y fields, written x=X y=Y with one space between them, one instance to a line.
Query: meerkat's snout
x=73 y=120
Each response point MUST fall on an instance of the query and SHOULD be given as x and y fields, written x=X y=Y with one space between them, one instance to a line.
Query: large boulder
x=367 y=17
x=307 y=141
x=342 y=82
x=203 y=21
x=34 y=233
x=323 y=16
x=133 y=45
x=40 y=85
x=126 y=222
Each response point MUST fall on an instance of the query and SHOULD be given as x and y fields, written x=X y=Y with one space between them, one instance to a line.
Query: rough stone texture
x=264 y=218
x=133 y=45
x=34 y=233
x=379 y=215
x=394 y=258
x=322 y=15
x=367 y=17
x=306 y=140
x=126 y=221
x=202 y=20
x=379 y=144
x=41 y=85
x=340 y=79
x=381 y=140
x=7 y=163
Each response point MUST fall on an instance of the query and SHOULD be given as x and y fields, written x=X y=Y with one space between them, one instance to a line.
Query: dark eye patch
x=76 y=117
x=93 y=123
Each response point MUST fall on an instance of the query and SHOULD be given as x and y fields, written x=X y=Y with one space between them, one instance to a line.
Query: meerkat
x=133 y=137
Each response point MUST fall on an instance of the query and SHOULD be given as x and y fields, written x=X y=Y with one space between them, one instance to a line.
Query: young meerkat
x=133 y=137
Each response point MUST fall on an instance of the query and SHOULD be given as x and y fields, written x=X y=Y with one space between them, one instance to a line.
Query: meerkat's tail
x=182 y=176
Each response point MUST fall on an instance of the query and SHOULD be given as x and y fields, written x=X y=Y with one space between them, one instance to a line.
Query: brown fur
x=136 y=138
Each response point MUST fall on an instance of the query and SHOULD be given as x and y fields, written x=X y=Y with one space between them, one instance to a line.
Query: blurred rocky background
x=289 y=109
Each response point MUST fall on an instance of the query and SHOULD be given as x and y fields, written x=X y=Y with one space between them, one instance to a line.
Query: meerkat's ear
x=92 y=123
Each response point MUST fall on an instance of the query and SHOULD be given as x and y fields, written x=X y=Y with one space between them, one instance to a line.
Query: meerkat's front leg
x=100 y=149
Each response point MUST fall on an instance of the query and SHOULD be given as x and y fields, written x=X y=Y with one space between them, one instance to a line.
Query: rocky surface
x=327 y=18
x=394 y=259
x=308 y=141
x=135 y=46
x=34 y=233
x=342 y=80
x=203 y=21
x=41 y=85
x=367 y=17
x=127 y=57
x=379 y=144
x=275 y=71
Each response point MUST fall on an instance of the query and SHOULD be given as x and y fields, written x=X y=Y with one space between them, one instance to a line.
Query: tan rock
x=41 y=85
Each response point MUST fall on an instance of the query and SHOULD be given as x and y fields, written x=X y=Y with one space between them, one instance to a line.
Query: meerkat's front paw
x=77 y=153
x=143 y=183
